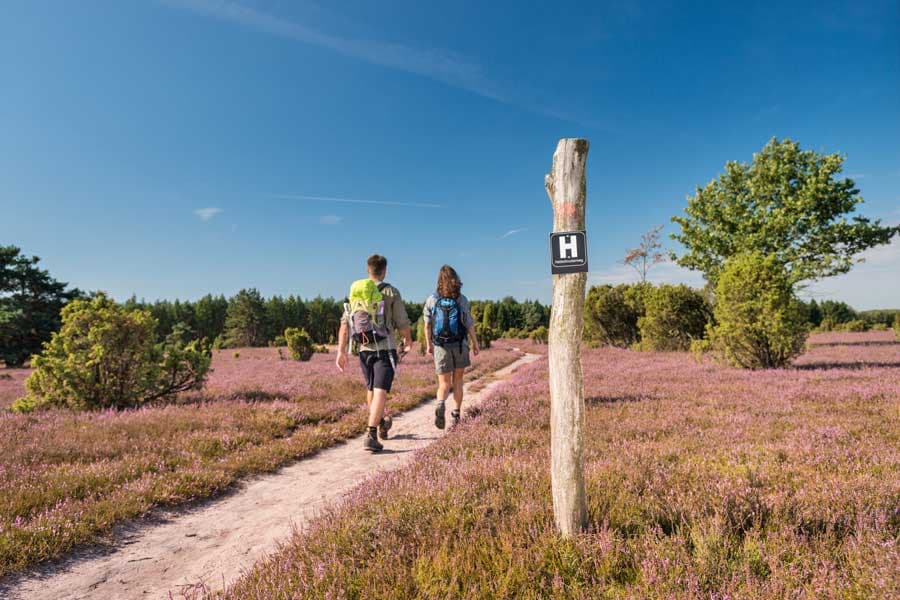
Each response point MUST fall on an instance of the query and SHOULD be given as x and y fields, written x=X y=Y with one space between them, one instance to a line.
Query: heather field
x=703 y=482
x=66 y=478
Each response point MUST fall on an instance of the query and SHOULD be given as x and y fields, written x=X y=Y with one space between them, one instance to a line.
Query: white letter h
x=568 y=246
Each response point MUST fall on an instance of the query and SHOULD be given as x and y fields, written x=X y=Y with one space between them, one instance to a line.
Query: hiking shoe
x=454 y=415
x=372 y=444
x=384 y=426
x=439 y=416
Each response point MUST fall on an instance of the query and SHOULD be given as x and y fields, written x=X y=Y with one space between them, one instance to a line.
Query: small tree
x=674 y=316
x=647 y=254
x=420 y=335
x=106 y=356
x=759 y=322
x=897 y=325
x=299 y=343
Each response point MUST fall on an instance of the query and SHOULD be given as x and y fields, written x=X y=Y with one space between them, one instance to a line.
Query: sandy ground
x=214 y=542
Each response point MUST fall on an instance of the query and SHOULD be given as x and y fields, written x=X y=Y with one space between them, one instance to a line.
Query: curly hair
x=448 y=283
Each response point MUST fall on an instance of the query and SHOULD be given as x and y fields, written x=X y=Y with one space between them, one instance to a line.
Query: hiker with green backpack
x=449 y=329
x=373 y=312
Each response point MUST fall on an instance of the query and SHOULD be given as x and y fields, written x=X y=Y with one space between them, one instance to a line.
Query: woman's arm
x=473 y=340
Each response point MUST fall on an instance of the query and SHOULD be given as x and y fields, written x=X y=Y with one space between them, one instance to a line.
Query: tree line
x=31 y=301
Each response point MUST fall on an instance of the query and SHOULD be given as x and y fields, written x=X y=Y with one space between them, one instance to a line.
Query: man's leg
x=376 y=406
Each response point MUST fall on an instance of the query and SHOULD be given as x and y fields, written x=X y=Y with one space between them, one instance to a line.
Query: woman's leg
x=445 y=386
x=458 y=387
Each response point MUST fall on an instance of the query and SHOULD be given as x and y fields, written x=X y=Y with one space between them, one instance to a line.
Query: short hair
x=377 y=265
x=448 y=283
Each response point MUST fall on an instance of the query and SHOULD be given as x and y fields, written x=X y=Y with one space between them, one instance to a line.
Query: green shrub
x=486 y=335
x=320 y=349
x=299 y=343
x=856 y=325
x=611 y=314
x=880 y=327
x=514 y=333
x=540 y=335
x=897 y=326
x=106 y=356
x=759 y=324
x=236 y=355
x=278 y=342
x=674 y=316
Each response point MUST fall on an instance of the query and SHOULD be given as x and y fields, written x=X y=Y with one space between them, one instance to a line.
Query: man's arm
x=343 y=339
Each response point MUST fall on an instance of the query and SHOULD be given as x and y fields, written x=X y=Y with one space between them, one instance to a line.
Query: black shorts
x=377 y=369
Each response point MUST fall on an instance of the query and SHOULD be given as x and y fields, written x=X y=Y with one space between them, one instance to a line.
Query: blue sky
x=171 y=148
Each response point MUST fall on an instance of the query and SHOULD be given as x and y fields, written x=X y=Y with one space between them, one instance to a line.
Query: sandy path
x=214 y=542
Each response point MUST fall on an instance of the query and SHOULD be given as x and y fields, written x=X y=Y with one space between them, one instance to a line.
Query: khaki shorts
x=450 y=357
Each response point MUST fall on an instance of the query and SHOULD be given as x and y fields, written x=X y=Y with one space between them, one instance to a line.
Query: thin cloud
x=437 y=64
x=205 y=214
x=330 y=220
x=857 y=175
x=513 y=232
x=355 y=201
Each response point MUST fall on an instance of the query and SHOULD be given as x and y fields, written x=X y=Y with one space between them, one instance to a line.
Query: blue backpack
x=446 y=322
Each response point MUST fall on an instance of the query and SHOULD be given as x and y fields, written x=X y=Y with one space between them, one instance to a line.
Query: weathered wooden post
x=566 y=187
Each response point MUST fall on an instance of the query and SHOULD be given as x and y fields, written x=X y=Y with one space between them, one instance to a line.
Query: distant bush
x=883 y=317
x=299 y=343
x=674 y=316
x=106 y=356
x=486 y=335
x=897 y=326
x=278 y=342
x=515 y=333
x=320 y=349
x=856 y=325
x=540 y=335
x=759 y=323
x=880 y=327
x=612 y=313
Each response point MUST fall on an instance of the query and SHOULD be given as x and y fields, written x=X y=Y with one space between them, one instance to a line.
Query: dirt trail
x=214 y=542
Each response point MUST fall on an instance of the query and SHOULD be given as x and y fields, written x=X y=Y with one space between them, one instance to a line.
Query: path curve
x=214 y=543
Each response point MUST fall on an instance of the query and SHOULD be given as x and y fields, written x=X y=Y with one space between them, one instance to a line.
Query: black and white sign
x=568 y=252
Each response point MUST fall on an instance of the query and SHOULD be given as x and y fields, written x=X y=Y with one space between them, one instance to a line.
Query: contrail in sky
x=355 y=201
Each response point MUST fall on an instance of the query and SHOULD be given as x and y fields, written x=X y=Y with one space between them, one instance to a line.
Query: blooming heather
x=66 y=477
x=703 y=482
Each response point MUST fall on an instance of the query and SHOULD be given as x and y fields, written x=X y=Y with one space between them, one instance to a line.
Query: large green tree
x=788 y=203
x=30 y=304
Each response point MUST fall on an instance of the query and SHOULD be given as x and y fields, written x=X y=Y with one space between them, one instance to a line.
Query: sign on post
x=568 y=252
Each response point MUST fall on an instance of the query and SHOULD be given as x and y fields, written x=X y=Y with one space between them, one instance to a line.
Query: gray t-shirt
x=465 y=315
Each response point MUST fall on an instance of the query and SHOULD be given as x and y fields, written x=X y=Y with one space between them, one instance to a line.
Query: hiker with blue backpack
x=373 y=312
x=449 y=329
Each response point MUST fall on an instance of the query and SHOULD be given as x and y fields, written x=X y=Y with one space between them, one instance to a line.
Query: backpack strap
x=383 y=285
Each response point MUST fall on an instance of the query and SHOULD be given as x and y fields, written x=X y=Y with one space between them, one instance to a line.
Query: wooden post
x=567 y=190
